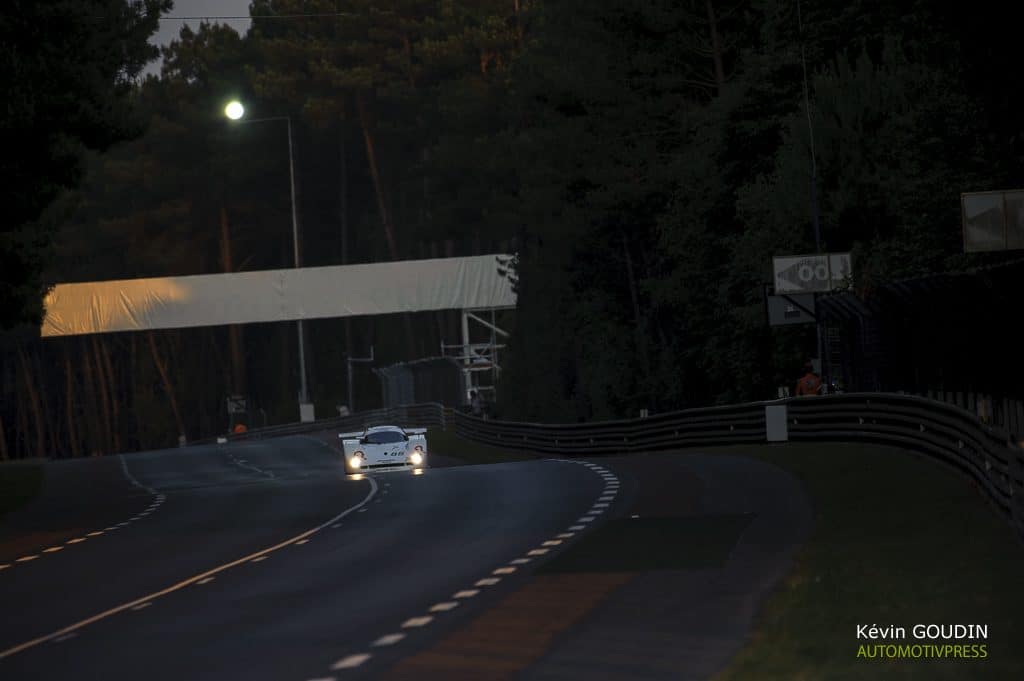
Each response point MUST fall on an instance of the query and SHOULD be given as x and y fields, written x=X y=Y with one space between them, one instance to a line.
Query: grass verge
x=447 y=443
x=19 y=484
x=898 y=540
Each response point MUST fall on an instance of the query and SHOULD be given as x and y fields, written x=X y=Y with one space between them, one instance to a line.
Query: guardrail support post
x=776 y=426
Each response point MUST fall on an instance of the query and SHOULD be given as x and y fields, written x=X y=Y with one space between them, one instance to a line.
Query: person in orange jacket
x=809 y=383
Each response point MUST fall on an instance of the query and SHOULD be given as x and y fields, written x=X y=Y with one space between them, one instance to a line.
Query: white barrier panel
x=775 y=423
x=277 y=295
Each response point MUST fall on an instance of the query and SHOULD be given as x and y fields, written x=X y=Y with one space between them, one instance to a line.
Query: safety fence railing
x=956 y=437
x=428 y=414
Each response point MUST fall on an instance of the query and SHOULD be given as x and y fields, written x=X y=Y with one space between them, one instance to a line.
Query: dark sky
x=169 y=29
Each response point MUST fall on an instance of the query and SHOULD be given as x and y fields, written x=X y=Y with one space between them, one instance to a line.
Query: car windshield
x=384 y=437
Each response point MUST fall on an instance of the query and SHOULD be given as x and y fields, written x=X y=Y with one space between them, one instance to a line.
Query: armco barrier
x=944 y=432
x=428 y=414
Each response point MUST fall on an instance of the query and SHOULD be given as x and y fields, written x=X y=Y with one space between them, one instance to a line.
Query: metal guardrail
x=428 y=414
x=949 y=434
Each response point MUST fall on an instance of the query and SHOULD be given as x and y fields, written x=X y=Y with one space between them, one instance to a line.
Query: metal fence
x=954 y=436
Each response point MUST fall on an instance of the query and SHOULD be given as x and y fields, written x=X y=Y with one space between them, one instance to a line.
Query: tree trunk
x=53 y=432
x=716 y=48
x=236 y=340
x=371 y=157
x=3 y=441
x=94 y=433
x=168 y=388
x=69 y=404
x=114 y=392
x=33 y=398
x=104 y=397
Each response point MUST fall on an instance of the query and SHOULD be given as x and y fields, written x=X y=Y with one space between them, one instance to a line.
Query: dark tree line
x=645 y=159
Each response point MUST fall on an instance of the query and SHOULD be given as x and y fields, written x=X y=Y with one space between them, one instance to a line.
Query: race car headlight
x=356 y=460
x=416 y=457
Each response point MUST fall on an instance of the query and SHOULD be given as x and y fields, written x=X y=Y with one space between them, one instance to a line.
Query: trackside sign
x=810 y=273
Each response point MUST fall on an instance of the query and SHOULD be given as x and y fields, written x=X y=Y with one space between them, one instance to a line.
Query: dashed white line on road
x=76 y=540
x=487 y=581
x=576 y=528
x=362 y=510
x=585 y=519
x=25 y=559
x=95 y=534
x=301 y=542
x=5 y=566
x=466 y=593
x=519 y=561
x=552 y=542
x=142 y=606
x=258 y=559
x=53 y=549
x=206 y=580
x=504 y=571
x=444 y=607
x=537 y=552
x=601 y=504
x=389 y=640
x=65 y=637
x=417 y=622
x=351 y=661
x=566 y=535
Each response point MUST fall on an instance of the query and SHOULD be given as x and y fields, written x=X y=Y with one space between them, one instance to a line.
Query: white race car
x=384 y=447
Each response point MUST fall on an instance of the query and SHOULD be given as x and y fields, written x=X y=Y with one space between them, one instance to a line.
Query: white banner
x=277 y=295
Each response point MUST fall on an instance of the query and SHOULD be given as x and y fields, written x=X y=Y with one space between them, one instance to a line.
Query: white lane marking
x=53 y=549
x=520 y=561
x=634 y=516
x=76 y=540
x=466 y=593
x=65 y=637
x=351 y=661
x=504 y=571
x=601 y=504
x=444 y=607
x=142 y=606
x=487 y=581
x=566 y=535
x=5 y=566
x=606 y=497
x=552 y=542
x=301 y=542
x=537 y=552
x=335 y=526
x=417 y=621
x=586 y=519
x=95 y=534
x=206 y=580
x=131 y=478
x=576 y=528
x=109 y=529
x=388 y=640
x=122 y=524
x=25 y=559
x=362 y=510
x=191 y=580
x=258 y=559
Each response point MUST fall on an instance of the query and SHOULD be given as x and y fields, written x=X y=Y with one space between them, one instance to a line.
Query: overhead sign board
x=993 y=221
x=811 y=273
x=797 y=308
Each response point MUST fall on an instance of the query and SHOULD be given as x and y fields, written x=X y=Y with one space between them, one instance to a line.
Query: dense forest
x=644 y=159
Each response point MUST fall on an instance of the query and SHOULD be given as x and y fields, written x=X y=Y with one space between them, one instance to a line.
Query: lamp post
x=235 y=111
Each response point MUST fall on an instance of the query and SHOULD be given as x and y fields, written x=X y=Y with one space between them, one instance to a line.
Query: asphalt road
x=135 y=601
x=261 y=560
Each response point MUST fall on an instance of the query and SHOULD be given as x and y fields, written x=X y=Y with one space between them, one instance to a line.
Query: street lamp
x=235 y=111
